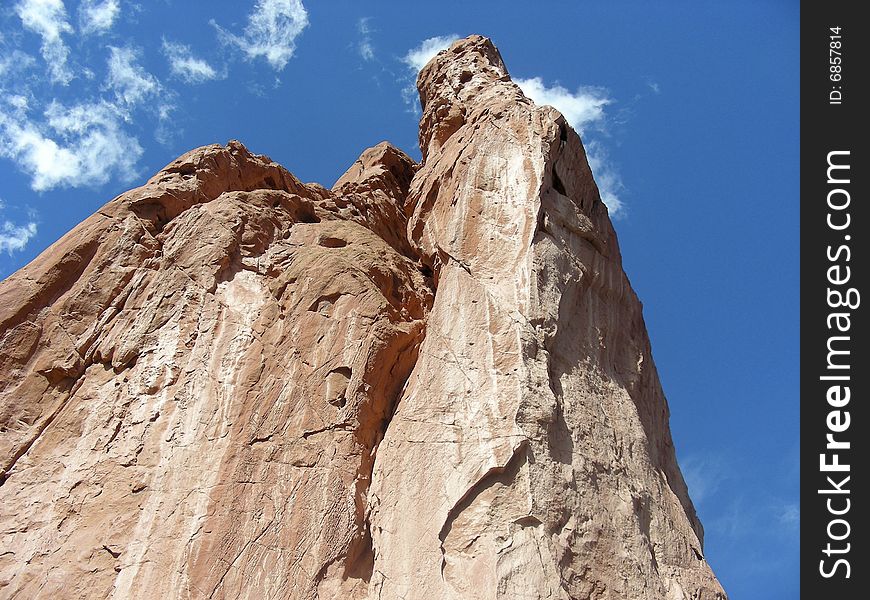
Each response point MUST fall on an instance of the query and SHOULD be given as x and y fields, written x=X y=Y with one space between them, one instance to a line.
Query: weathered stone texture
x=432 y=381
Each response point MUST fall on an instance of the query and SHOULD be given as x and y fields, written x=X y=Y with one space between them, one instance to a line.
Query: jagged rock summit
x=429 y=382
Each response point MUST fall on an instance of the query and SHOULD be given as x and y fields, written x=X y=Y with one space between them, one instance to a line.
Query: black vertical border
x=827 y=127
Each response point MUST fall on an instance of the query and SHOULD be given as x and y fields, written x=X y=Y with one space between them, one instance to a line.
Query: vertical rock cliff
x=431 y=381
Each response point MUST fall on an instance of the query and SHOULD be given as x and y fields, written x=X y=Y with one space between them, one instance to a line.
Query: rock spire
x=430 y=381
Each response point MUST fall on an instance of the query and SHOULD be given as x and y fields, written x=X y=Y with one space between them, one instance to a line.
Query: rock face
x=432 y=381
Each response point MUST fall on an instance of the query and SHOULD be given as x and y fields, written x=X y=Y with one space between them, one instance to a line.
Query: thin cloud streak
x=365 y=48
x=184 y=65
x=48 y=19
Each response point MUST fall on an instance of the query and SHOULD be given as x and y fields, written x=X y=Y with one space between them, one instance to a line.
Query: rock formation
x=431 y=381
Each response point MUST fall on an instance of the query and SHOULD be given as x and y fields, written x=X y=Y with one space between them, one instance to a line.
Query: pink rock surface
x=432 y=381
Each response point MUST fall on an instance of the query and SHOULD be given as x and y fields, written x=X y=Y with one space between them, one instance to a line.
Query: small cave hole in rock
x=331 y=242
x=183 y=169
x=336 y=386
x=308 y=217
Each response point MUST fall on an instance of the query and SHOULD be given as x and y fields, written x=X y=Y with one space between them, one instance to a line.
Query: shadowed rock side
x=428 y=382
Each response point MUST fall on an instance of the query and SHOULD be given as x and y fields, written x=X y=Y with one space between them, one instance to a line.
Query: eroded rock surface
x=431 y=381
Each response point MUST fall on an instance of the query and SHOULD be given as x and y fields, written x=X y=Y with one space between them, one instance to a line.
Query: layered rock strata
x=431 y=381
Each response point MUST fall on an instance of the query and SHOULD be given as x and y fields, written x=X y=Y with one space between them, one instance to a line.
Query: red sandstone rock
x=428 y=382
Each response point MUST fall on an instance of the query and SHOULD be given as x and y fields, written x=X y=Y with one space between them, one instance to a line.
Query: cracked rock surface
x=431 y=381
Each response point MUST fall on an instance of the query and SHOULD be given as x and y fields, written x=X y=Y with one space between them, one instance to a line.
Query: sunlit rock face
x=431 y=381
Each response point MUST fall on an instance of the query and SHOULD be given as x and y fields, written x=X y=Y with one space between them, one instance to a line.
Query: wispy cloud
x=704 y=475
x=61 y=143
x=48 y=19
x=130 y=82
x=365 y=48
x=98 y=17
x=607 y=177
x=83 y=144
x=183 y=64
x=136 y=88
x=740 y=511
x=415 y=59
x=584 y=109
x=271 y=32
x=790 y=514
x=14 y=63
x=15 y=237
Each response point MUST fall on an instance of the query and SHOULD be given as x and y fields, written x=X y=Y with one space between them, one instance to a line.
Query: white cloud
x=15 y=237
x=18 y=102
x=48 y=19
x=583 y=108
x=79 y=145
x=131 y=83
x=133 y=86
x=183 y=64
x=59 y=141
x=585 y=111
x=416 y=58
x=366 y=50
x=98 y=17
x=271 y=32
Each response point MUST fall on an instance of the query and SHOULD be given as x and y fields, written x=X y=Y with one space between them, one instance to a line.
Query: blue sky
x=689 y=110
